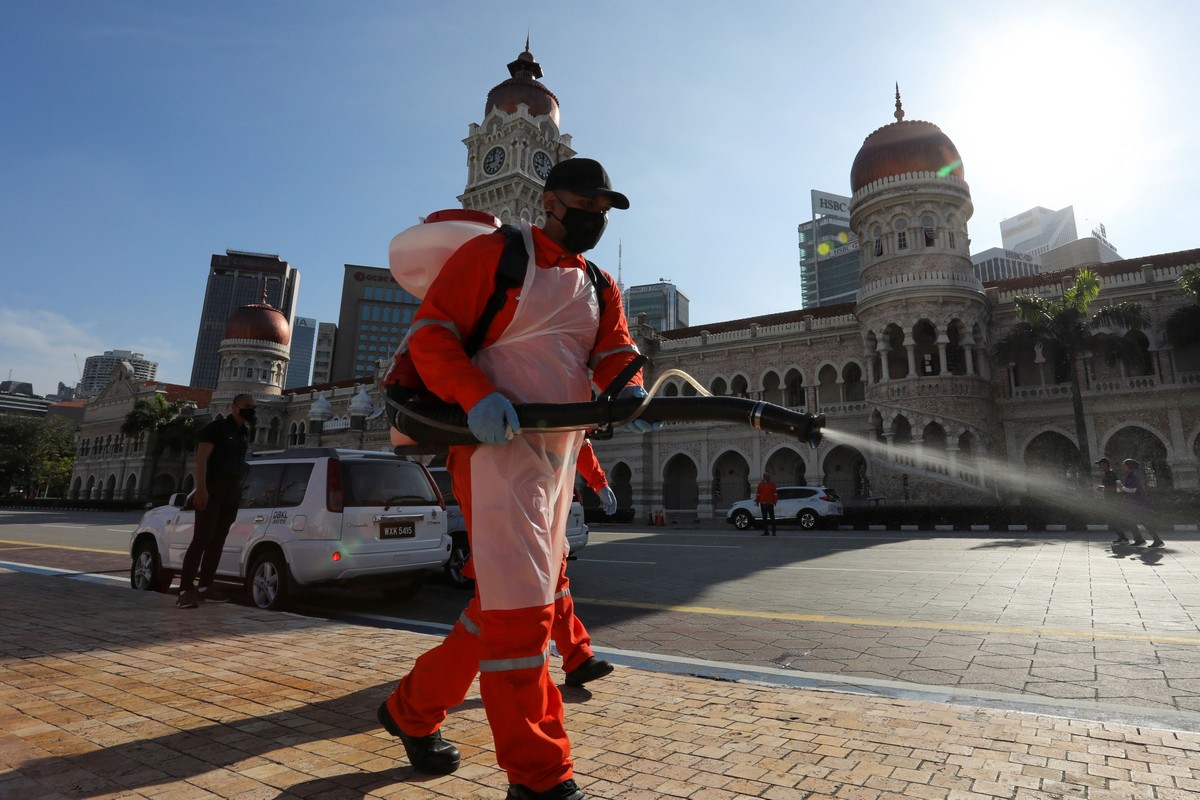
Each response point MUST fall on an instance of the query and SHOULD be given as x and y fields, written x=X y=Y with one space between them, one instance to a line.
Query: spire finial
x=526 y=41
x=899 y=108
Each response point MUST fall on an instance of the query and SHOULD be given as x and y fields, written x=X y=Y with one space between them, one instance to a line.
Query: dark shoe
x=1120 y=540
x=1159 y=543
x=766 y=533
x=430 y=754
x=212 y=596
x=187 y=599
x=1138 y=542
x=567 y=790
x=589 y=670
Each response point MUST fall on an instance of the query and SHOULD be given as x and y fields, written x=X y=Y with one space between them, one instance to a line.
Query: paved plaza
x=109 y=693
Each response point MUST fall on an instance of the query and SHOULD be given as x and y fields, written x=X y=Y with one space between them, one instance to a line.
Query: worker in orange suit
x=515 y=488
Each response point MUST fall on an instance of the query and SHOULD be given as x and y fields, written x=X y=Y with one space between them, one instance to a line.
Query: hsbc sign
x=830 y=205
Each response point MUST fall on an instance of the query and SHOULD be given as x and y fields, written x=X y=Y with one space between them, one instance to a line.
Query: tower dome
x=523 y=88
x=903 y=147
x=259 y=321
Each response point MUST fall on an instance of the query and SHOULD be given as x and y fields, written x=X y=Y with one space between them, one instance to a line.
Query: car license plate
x=397 y=529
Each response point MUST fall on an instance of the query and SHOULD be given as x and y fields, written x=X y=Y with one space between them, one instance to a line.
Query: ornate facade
x=917 y=409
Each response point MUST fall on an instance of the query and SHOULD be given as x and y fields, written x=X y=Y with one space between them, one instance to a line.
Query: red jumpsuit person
x=549 y=344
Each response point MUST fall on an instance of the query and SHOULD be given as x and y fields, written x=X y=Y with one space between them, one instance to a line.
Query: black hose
x=444 y=423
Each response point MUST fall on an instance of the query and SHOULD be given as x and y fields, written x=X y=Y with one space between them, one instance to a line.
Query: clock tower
x=511 y=152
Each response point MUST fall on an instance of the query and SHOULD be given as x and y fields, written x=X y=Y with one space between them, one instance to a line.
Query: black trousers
x=768 y=510
x=212 y=526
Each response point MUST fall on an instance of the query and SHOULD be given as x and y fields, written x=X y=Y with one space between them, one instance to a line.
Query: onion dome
x=523 y=88
x=360 y=404
x=259 y=321
x=321 y=410
x=902 y=147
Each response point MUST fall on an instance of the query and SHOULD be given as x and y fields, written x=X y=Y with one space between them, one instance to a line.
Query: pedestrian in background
x=1139 y=506
x=1108 y=489
x=220 y=467
x=766 y=496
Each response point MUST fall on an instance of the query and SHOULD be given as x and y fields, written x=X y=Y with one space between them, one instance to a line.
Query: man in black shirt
x=220 y=464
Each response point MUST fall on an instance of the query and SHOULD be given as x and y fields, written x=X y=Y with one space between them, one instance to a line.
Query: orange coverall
x=510 y=645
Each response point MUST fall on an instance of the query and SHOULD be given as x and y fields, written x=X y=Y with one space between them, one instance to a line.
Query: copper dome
x=523 y=87
x=260 y=322
x=901 y=147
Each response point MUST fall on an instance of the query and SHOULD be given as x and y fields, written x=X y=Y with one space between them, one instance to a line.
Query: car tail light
x=336 y=556
x=334 y=496
x=826 y=498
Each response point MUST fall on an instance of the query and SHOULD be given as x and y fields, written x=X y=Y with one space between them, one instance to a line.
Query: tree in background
x=1065 y=331
x=1183 y=326
x=167 y=425
x=36 y=455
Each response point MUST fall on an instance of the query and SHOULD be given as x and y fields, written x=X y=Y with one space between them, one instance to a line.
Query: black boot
x=567 y=790
x=589 y=670
x=430 y=754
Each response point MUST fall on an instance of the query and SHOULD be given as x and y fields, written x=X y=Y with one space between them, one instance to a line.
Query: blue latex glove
x=608 y=501
x=638 y=425
x=493 y=420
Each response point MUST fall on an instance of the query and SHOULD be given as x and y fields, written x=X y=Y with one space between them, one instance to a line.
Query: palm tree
x=1183 y=326
x=1064 y=331
x=166 y=423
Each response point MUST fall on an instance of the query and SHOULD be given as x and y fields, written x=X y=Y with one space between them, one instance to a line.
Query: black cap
x=586 y=178
x=1101 y=460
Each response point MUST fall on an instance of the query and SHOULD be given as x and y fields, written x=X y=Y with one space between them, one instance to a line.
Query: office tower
x=997 y=264
x=323 y=353
x=98 y=369
x=665 y=307
x=304 y=334
x=375 y=315
x=828 y=248
x=238 y=279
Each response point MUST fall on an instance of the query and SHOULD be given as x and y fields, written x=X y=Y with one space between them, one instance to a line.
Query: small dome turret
x=523 y=88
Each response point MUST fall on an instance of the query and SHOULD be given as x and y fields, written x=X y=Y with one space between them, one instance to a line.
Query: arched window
x=929 y=231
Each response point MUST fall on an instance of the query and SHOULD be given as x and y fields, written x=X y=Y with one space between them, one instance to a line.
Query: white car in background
x=810 y=506
x=309 y=517
x=460 y=549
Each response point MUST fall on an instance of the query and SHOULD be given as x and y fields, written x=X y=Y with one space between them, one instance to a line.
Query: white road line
x=59 y=525
x=611 y=561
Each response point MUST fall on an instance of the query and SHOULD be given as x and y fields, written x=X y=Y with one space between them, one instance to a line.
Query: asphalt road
x=1050 y=617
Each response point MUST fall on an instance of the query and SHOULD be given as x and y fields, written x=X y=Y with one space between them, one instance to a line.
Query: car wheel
x=808 y=519
x=267 y=583
x=460 y=551
x=743 y=520
x=146 y=574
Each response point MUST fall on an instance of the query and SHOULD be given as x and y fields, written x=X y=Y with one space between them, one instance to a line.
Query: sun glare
x=1054 y=114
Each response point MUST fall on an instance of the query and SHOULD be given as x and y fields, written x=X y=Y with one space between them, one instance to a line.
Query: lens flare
x=946 y=170
x=823 y=249
x=843 y=237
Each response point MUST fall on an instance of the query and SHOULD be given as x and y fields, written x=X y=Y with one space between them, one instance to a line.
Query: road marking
x=61 y=525
x=64 y=547
x=906 y=571
x=612 y=561
x=965 y=627
x=669 y=544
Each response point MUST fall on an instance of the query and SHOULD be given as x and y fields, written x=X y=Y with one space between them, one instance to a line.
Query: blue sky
x=139 y=138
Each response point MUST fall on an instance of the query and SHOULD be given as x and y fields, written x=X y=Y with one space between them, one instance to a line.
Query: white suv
x=807 y=505
x=309 y=516
x=460 y=549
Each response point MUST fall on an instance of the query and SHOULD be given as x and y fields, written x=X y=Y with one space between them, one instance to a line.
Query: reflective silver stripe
x=596 y=359
x=562 y=594
x=469 y=624
x=507 y=664
x=448 y=325
x=756 y=415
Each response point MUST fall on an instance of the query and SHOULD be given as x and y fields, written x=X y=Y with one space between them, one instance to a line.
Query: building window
x=950 y=237
x=930 y=235
x=902 y=240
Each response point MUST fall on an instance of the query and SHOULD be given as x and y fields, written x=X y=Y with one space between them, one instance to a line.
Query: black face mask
x=248 y=414
x=583 y=229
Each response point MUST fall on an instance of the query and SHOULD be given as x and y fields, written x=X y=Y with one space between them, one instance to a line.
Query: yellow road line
x=64 y=547
x=965 y=627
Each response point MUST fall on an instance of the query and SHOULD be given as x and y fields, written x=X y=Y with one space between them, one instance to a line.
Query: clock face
x=541 y=164
x=493 y=161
